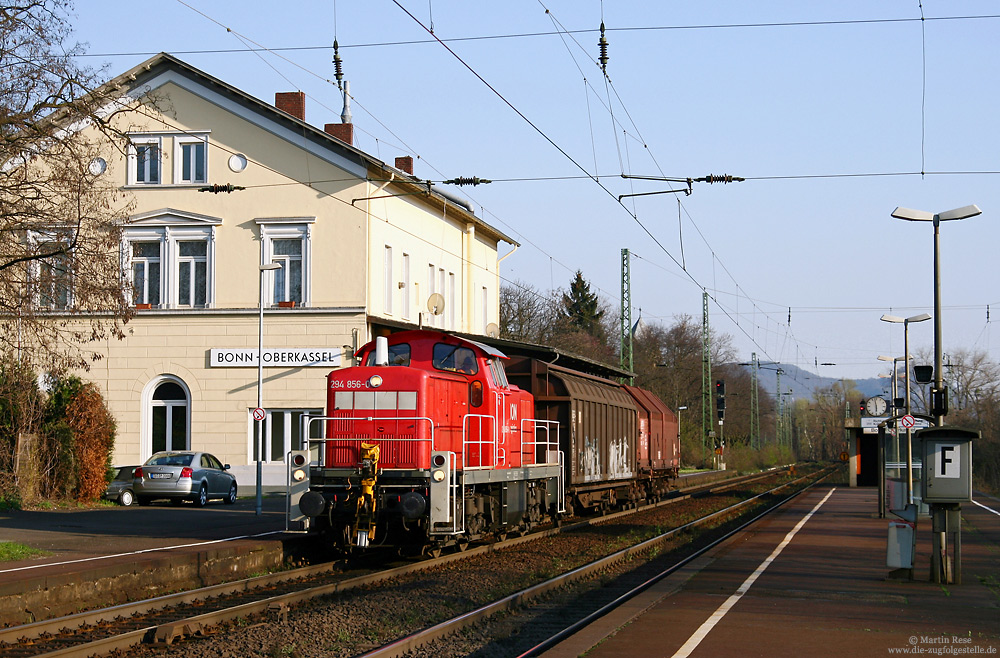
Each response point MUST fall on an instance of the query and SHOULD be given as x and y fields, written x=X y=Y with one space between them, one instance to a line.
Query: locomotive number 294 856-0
x=350 y=383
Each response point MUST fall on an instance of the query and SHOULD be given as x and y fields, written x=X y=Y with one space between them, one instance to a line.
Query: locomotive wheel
x=431 y=550
x=462 y=545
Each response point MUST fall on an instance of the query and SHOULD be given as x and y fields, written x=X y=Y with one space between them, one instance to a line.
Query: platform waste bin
x=899 y=551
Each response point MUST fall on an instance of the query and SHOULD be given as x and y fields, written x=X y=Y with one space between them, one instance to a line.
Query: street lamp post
x=924 y=216
x=260 y=383
x=893 y=391
x=906 y=356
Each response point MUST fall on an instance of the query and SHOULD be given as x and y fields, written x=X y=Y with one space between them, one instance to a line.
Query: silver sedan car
x=181 y=475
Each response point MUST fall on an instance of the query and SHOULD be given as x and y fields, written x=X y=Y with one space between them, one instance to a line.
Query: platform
x=826 y=592
x=110 y=555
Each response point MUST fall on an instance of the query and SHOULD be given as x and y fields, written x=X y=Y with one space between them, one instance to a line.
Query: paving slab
x=825 y=594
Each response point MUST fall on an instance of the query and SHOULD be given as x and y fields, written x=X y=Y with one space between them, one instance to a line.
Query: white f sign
x=947 y=463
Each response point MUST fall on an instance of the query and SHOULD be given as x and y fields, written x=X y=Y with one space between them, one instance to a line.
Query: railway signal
x=720 y=398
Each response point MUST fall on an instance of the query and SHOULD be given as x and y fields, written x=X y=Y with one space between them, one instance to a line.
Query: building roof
x=512 y=348
x=156 y=65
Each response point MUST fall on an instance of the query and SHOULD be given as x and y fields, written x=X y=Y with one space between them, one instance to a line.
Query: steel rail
x=13 y=635
x=406 y=644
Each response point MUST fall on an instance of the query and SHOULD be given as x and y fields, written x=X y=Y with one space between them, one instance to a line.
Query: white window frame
x=451 y=303
x=145 y=236
x=287 y=228
x=44 y=242
x=133 y=159
x=169 y=238
x=406 y=286
x=290 y=436
x=486 y=310
x=440 y=320
x=146 y=419
x=176 y=239
x=179 y=142
x=53 y=287
x=388 y=283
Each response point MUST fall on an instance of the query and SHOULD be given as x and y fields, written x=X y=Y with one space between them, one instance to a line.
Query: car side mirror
x=225 y=467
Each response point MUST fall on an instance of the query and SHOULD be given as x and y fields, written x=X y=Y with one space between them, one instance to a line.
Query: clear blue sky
x=807 y=100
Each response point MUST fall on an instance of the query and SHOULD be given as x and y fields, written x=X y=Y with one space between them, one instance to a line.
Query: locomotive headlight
x=298 y=475
x=438 y=475
x=375 y=381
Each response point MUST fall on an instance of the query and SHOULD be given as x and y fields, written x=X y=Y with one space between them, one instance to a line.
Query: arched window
x=169 y=417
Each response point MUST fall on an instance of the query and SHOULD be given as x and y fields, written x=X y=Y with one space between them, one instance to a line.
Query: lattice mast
x=626 y=318
x=706 y=374
x=754 y=404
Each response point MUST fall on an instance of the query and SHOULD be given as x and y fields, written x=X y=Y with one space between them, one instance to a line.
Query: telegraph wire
x=524 y=35
x=923 y=85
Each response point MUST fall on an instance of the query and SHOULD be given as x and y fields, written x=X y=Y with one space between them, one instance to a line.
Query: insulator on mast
x=603 y=43
x=338 y=65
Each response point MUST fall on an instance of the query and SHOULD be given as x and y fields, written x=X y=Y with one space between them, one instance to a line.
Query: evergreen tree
x=581 y=307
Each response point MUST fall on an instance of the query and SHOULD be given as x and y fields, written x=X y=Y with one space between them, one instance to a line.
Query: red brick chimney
x=293 y=102
x=405 y=163
x=342 y=131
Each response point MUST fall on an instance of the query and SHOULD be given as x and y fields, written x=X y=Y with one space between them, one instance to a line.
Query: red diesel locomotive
x=427 y=444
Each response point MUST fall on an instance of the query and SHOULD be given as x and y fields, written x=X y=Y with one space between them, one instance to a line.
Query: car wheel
x=126 y=498
x=143 y=500
x=202 y=498
x=231 y=498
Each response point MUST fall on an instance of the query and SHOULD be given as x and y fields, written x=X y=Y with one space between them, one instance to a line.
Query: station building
x=360 y=247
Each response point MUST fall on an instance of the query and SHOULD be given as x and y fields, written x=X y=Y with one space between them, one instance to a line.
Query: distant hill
x=802 y=383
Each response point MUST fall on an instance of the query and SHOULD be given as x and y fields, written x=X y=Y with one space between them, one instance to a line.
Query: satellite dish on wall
x=492 y=330
x=435 y=304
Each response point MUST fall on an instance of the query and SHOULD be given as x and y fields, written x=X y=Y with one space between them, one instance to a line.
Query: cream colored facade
x=358 y=251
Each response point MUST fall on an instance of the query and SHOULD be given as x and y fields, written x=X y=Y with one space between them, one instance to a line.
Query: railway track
x=159 y=623
x=548 y=619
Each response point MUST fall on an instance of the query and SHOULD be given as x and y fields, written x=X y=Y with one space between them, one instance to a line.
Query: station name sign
x=869 y=424
x=309 y=357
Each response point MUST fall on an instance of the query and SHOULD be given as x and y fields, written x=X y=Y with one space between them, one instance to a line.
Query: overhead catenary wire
x=528 y=35
x=682 y=265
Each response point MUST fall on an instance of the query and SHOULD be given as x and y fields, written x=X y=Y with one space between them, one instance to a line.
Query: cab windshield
x=399 y=355
x=455 y=358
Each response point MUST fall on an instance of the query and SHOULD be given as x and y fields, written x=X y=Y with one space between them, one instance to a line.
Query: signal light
x=298 y=492
x=939 y=401
x=720 y=387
